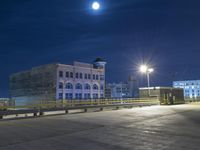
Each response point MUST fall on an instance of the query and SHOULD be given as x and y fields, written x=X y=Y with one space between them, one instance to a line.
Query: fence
x=43 y=104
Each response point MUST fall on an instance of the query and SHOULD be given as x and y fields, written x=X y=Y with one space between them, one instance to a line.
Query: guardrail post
x=41 y=113
x=35 y=114
x=66 y=111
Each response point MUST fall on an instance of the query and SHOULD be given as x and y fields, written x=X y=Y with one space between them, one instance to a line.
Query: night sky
x=126 y=33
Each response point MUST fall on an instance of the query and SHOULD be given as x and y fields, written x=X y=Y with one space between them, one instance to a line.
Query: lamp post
x=145 y=69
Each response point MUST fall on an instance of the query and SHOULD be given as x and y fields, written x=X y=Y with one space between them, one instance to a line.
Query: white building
x=81 y=81
x=191 y=88
x=59 y=81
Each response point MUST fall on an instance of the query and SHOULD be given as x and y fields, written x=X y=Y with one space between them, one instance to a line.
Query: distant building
x=5 y=102
x=118 y=90
x=191 y=88
x=127 y=89
x=133 y=86
x=108 y=93
x=166 y=95
x=59 y=81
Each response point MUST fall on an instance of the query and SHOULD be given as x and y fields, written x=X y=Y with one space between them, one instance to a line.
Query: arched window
x=95 y=87
x=78 y=86
x=87 y=86
x=69 y=86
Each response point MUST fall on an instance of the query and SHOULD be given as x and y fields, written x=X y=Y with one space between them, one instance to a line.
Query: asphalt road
x=148 y=128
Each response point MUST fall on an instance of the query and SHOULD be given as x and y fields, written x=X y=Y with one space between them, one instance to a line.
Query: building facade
x=58 y=82
x=127 y=89
x=118 y=90
x=191 y=88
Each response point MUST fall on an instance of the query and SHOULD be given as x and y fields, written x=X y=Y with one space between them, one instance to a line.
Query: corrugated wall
x=34 y=85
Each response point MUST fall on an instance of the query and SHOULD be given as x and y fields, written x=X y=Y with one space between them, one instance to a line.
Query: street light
x=145 y=69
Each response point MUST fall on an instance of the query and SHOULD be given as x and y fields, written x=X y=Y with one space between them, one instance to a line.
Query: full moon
x=95 y=5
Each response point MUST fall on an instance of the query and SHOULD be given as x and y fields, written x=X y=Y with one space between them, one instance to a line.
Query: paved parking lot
x=148 y=128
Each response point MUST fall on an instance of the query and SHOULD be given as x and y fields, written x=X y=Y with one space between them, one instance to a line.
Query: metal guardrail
x=49 y=106
x=73 y=103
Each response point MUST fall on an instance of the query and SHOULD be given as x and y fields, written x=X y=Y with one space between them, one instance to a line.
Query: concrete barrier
x=15 y=114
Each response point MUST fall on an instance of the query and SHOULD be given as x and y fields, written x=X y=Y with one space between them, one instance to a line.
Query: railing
x=74 y=103
x=190 y=100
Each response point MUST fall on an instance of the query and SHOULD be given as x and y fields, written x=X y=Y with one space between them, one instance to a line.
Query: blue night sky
x=163 y=33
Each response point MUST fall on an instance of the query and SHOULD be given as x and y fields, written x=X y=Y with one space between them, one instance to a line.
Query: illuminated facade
x=58 y=82
x=127 y=89
x=191 y=88
x=81 y=81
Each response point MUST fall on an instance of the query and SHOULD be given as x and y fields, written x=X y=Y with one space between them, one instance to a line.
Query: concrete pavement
x=148 y=128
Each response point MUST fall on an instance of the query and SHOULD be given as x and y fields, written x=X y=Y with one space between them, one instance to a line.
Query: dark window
x=81 y=76
x=89 y=76
x=78 y=86
x=71 y=75
x=60 y=74
x=101 y=77
x=78 y=95
x=67 y=75
x=60 y=85
x=95 y=95
x=86 y=76
x=97 y=77
x=87 y=86
x=102 y=87
x=69 y=96
x=93 y=76
x=95 y=87
x=76 y=75
x=69 y=86
x=60 y=96
x=87 y=95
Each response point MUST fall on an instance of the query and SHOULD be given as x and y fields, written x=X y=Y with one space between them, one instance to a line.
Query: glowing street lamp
x=145 y=69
